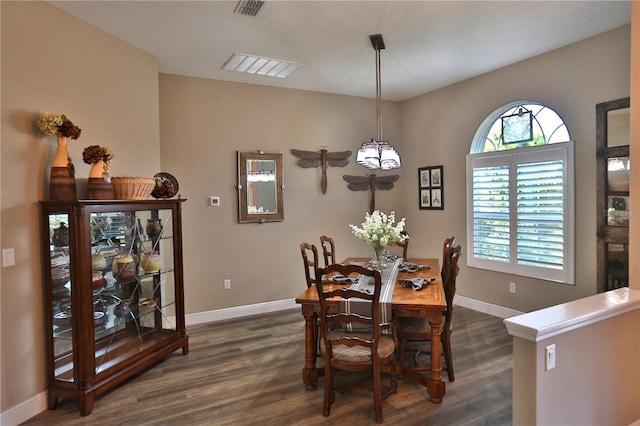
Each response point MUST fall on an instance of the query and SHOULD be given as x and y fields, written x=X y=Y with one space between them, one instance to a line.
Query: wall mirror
x=260 y=184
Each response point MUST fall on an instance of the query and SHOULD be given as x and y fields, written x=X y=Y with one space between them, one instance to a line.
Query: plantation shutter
x=541 y=214
x=519 y=212
x=491 y=213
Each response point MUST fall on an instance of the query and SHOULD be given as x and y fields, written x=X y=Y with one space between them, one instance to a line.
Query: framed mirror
x=260 y=184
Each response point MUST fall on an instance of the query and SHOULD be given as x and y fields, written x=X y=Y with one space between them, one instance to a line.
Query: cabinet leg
x=52 y=400
x=85 y=405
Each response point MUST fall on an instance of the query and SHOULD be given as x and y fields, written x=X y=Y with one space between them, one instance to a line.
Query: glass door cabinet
x=612 y=187
x=113 y=282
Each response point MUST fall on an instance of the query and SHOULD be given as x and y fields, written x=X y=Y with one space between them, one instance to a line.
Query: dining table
x=428 y=302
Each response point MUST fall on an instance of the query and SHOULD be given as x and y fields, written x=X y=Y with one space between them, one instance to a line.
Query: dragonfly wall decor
x=308 y=159
x=362 y=183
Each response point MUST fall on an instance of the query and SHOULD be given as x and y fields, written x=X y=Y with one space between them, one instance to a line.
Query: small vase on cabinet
x=62 y=183
x=99 y=186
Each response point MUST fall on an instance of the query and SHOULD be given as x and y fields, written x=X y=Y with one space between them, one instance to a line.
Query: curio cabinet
x=114 y=300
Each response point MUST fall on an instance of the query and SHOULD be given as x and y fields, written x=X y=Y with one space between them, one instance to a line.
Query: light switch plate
x=550 y=357
x=8 y=257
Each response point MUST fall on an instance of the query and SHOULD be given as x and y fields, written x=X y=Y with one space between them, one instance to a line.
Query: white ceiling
x=429 y=44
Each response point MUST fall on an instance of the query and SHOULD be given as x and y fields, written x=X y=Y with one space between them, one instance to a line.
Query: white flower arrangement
x=379 y=230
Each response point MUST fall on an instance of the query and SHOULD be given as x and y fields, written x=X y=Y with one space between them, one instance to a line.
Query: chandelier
x=378 y=153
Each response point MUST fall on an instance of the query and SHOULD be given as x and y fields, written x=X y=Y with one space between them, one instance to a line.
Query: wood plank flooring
x=247 y=371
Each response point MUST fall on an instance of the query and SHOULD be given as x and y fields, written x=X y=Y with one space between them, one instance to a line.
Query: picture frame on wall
x=431 y=188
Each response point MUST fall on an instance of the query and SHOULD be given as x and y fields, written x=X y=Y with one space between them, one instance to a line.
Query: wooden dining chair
x=417 y=329
x=310 y=262
x=447 y=252
x=364 y=349
x=328 y=250
x=404 y=244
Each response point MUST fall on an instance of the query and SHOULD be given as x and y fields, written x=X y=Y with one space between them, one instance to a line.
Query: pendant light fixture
x=378 y=153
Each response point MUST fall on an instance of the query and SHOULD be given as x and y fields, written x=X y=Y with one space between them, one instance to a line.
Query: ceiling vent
x=258 y=65
x=248 y=7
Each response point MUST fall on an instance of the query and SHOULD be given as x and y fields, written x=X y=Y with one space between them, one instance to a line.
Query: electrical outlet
x=512 y=287
x=214 y=201
x=227 y=284
x=8 y=257
x=550 y=357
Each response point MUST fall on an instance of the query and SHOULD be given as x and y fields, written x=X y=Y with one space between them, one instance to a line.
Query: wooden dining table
x=429 y=302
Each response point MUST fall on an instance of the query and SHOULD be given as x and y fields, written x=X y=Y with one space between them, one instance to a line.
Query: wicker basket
x=133 y=188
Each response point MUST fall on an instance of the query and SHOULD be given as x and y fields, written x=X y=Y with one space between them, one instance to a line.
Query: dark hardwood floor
x=247 y=371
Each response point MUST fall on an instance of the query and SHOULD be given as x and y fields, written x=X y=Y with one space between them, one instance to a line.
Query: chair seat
x=386 y=347
x=415 y=325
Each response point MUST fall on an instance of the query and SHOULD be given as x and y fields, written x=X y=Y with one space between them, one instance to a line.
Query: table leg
x=310 y=372
x=435 y=385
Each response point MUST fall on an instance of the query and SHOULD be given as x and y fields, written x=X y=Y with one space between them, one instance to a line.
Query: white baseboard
x=484 y=307
x=240 y=311
x=25 y=410
x=33 y=406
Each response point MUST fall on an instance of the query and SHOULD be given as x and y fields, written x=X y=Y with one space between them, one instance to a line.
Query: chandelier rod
x=378 y=44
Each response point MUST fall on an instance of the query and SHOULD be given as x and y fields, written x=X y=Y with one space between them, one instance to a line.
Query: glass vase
x=376 y=262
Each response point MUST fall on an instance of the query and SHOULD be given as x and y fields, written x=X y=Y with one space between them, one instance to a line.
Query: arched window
x=520 y=194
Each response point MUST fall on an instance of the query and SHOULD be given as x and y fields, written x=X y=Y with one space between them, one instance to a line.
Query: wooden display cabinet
x=114 y=293
x=613 y=173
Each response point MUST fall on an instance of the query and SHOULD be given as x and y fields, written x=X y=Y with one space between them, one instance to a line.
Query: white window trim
x=565 y=151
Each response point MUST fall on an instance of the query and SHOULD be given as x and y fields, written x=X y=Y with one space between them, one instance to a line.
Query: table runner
x=388 y=278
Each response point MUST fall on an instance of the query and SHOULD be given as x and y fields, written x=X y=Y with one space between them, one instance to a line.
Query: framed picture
x=425 y=198
x=430 y=188
x=436 y=180
x=425 y=178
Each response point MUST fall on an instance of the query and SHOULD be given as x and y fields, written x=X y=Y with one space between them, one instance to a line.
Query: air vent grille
x=258 y=65
x=248 y=7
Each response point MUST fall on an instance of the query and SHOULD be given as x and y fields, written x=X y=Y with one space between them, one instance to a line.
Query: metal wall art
x=362 y=183
x=430 y=188
x=308 y=159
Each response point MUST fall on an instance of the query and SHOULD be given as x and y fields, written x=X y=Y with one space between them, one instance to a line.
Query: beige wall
x=586 y=387
x=438 y=129
x=213 y=119
x=203 y=123
x=192 y=128
x=54 y=62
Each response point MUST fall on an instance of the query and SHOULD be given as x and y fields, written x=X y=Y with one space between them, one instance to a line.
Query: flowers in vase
x=96 y=153
x=379 y=230
x=51 y=124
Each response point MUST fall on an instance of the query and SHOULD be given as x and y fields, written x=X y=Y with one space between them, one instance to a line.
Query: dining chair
x=404 y=244
x=355 y=341
x=310 y=262
x=447 y=252
x=417 y=329
x=328 y=250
